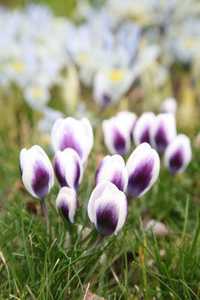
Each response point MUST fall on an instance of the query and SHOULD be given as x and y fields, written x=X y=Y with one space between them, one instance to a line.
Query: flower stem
x=44 y=211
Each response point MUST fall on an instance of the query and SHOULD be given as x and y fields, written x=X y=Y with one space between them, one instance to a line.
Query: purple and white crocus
x=66 y=203
x=117 y=132
x=163 y=131
x=112 y=168
x=37 y=171
x=74 y=134
x=143 y=168
x=141 y=132
x=107 y=208
x=68 y=168
x=178 y=154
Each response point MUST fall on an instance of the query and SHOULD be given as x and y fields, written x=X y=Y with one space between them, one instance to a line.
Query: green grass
x=131 y=265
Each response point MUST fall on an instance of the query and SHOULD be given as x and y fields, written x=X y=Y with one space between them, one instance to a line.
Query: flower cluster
x=106 y=54
x=109 y=55
x=108 y=51
x=175 y=24
x=157 y=130
x=29 y=57
x=115 y=180
x=72 y=141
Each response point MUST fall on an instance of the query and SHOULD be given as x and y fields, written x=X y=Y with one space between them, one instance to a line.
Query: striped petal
x=107 y=208
x=178 y=154
x=143 y=168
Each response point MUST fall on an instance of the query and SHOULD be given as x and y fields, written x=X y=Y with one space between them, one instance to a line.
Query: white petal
x=96 y=193
x=107 y=127
x=112 y=168
x=72 y=162
x=89 y=140
x=55 y=133
x=144 y=154
x=22 y=158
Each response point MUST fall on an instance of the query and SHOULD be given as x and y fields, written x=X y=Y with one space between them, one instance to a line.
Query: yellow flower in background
x=116 y=75
x=18 y=66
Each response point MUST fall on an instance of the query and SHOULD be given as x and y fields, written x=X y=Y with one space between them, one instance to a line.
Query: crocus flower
x=163 y=131
x=141 y=132
x=73 y=133
x=68 y=168
x=111 y=84
x=113 y=169
x=143 y=168
x=107 y=208
x=117 y=132
x=66 y=203
x=178 y=154
x=37 y=171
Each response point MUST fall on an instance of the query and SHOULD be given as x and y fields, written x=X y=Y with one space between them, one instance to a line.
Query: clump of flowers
x=159 y=131
x=116 y=182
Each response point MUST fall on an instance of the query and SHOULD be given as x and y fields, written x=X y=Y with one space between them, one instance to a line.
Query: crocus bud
x=75 y=134
x=178 y=154
x=113 y=169
x=169 y=105
x=143 y=168
x=68 y=168
x=107 y=208
x=66 y=203
x=37 y=171
x=117 y=132
x=111 y=84
x=163 y=131
x=141 y=132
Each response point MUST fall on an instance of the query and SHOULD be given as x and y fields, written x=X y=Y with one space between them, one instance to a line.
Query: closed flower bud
x=37 y=171
x=143 y=168
x=68 y=168
x=117 y=132
x=66 y=203
x=113 y=169
x=75 y=134
x=163 y=131
x=107 y=208
x=141 y=132
x=178 y=154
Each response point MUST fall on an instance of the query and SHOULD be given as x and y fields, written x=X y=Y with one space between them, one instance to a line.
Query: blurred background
x=94 y=58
